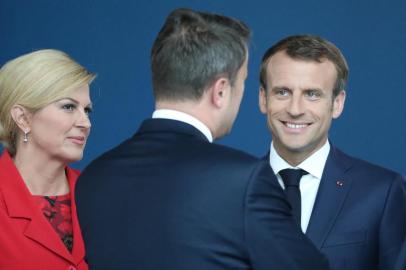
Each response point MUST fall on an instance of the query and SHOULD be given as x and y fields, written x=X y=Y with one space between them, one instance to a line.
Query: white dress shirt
x=186 y=118
x=309 y=183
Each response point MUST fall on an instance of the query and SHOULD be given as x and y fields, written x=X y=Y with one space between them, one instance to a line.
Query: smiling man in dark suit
x=168 y=198
x=353 y=211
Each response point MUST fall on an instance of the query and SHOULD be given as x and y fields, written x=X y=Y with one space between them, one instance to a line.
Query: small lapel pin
x=339 y=183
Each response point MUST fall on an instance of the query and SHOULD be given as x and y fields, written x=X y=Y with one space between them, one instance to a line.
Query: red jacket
x=27 y=239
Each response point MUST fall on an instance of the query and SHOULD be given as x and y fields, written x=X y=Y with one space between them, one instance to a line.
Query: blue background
x=113 y=39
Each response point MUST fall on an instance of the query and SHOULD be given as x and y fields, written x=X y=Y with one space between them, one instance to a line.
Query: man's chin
x=302 y=149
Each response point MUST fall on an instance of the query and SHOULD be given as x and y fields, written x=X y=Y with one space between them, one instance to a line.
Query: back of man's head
x=192 y=50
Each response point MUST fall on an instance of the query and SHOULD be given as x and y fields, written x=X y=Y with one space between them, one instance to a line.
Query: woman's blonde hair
x=33 y=81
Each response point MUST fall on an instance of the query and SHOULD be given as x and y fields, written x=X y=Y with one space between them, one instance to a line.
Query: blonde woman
x=44 y=125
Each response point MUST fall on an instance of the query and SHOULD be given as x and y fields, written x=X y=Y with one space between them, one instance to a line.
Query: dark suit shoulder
x=176 y=153
x=104 y=157
x=356 y=165
x=232 y=153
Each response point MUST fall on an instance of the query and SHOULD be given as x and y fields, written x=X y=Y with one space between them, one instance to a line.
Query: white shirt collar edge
x=186 y=118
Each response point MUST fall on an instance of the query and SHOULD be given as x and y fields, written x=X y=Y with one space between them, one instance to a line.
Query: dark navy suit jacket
x=359 y=216
x=401 y=261
x=167 y=199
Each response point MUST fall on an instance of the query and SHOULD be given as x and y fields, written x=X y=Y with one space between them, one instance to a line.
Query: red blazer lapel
x=19 y=204
x=78 y=251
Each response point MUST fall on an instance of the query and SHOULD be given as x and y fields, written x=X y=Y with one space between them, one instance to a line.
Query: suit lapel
x=333 y=190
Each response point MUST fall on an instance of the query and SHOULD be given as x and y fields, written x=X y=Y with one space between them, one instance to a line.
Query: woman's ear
x=21 y=117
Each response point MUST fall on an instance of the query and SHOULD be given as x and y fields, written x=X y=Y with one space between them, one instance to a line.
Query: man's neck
x=313 y=164
x=294 y=158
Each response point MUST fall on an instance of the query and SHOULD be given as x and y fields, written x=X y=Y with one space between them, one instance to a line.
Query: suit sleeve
x=274 y=239
x=401 y=261
x=393 y=224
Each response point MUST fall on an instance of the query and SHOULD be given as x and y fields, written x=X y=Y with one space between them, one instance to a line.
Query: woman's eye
x=69 y=107
x=88 y=110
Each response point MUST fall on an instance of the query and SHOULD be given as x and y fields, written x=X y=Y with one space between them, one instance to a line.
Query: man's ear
x=220 y=92
x=338 y=104
x=262 y=100
x=21 y=117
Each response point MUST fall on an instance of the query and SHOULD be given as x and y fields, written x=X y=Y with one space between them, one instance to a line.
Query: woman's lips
x=77 y=139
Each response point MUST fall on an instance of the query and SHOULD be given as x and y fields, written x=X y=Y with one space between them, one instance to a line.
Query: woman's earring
x=25 y=137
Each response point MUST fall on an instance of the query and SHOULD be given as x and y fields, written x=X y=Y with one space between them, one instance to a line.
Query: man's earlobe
x=262 y=102
x=338 y=104
x=219 y=92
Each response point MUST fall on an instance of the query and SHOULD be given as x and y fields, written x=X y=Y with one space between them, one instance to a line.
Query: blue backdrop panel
x=113 y=39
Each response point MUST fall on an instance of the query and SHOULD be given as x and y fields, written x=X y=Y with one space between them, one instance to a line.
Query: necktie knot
x=291 y=177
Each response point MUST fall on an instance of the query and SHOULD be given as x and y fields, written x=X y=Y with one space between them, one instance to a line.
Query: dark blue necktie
x=291 y=179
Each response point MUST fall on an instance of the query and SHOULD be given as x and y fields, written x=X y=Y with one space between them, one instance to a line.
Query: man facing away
x=353 y=211
x=169 y=198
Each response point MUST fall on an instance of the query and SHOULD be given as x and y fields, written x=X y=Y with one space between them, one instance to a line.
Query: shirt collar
x=186 y=118
x=314 y=164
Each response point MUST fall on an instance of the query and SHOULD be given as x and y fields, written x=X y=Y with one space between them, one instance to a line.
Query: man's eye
x=282 y=92
x=313 y=94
